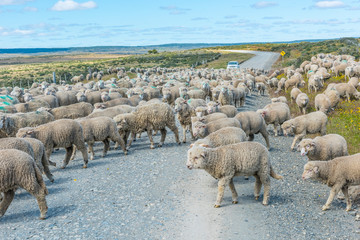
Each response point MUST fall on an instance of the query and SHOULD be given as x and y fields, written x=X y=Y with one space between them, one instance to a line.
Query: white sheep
x=302 y=100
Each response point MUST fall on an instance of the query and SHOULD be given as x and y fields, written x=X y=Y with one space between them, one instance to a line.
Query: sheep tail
x=274 y=175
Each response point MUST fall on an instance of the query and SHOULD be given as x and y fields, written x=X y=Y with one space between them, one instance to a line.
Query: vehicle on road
x=233 y=64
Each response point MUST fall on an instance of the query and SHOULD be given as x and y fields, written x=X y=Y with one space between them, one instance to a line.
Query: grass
x=226 y=57
x=345 y=120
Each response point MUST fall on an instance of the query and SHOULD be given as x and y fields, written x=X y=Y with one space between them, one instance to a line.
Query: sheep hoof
x=62 y=167
x=85 y=166
x=235 y=202
x=216 y=206
x=246 y=178
x=184 y=141
x=152 y=147
x=348 y=209
x=256 y=197
x=42 y=218
x=125 y=153
x=265 y=203
x=160 y=145
x=324 y=208
x=51 y=180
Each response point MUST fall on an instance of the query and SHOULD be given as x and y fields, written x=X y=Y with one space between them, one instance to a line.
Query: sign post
x=282 y=55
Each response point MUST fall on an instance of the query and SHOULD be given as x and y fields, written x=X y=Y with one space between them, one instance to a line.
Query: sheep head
x=288 y=127
x=310 y=171
x=306 y=146
x=197 y=157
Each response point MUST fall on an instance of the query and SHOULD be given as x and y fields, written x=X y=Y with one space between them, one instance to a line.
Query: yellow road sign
x=283 y=53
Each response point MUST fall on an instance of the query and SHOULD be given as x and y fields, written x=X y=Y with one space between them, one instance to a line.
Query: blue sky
x=71 y=23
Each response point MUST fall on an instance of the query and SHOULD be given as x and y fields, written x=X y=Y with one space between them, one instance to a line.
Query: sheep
x=184 y=113
x=201 y=111
x=92 y=97
x=354 y=81
x=261 y=88
x=50 y=99
x=197 y=94
x=323 y=148
x=322 y=103
x=61 y=133
x=302 y=100
x=226 y=162
x=201 y=130
x=281 y=84
x=111 y=111
x=150 y=93
x=225 y=96
x=222 y=137
x=194 y=103
x=115 y=102
x=73 y=111
x=334 y=97
x=238 y=96
x=11 y=123
x=31 y=106
x=339 y=174
x=100 y=129
x=347 y=90
x=276 y=114
x=279 y=99
x=66 y=98
x=294 y=93
x=315 y=82
x=314 y=122
x=150 y=117
x=252 y=123
x=208 y=118
x=18 y=169
x=34 y=148
x=170 y=94
x=229 y=110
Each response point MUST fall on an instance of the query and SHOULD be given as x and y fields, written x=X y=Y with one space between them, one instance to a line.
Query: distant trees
x=154 y=51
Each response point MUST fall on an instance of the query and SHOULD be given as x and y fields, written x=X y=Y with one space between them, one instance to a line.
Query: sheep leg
x=257 y=188
x=133 y=136
x=175 y=130
x=348 y=96
x=348 y=200
x=296 y=138
x=106 y=147
x=221 y=187
x=68 y=154
x=51 y=163
x=48 y=152
x=184 y=133
x=83 y=149
x=265 y=135
x=149 y=132
x=192 y=134
x=73 y=155
x=233 y=192
x=276 y=132
x=120 y=141
x=42 y=205
x=47 y=172
x=304 y=110
x=163 y=136
x=333 y=192
x=91 y=150
x=5 y=203
x=265 y=179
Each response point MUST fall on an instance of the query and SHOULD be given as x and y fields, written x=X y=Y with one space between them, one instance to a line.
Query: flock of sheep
x=46 y=117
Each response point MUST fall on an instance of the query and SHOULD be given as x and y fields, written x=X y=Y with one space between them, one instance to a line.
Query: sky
x=79 y=23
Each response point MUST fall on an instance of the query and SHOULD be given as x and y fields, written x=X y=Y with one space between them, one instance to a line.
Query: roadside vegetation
x=226 y=57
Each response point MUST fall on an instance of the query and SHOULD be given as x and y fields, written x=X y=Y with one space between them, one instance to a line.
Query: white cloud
x=30 y=9
x=12 y=2
x=68 y=5
x=174 y=10
x=23 y=32
x=329 y=4
x=264 y=4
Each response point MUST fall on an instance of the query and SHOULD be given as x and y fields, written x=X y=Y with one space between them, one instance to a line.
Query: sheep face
x=123 y=125
x=288 y=128
x=179 y=105
x=105 y=97
x=196 y=157
x=26 y=133
x=306 y=146
x=81 y=98
x=310 y=171
x=199 y=130
x=28 y=97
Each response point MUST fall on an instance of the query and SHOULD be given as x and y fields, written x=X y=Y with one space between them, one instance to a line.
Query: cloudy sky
x=71 y=23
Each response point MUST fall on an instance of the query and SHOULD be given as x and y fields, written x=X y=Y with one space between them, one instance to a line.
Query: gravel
x=150 y=194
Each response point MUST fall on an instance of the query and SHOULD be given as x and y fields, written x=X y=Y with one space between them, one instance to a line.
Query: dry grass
x=226 y=57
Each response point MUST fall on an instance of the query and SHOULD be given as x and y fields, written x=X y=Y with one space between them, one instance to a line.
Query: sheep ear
x=30 y=132
x=312 y=144
x=316 y=169
x=124 y=121
x=191 y=145
x=203 y=155
x=204 y=126
x=205 y=145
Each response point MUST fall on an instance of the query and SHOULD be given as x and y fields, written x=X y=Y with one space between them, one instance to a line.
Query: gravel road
x=150 y=194
x=261 y=60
